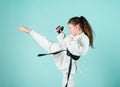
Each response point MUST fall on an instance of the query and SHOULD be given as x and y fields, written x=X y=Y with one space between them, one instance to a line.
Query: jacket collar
x=77 y=36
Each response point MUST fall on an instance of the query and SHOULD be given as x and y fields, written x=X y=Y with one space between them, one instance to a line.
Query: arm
x=62 y=39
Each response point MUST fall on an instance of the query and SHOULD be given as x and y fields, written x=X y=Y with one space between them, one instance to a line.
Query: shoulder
x=84 y=37
x=84 y=40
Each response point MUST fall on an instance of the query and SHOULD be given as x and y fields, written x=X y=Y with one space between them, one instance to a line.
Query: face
x=72 y=29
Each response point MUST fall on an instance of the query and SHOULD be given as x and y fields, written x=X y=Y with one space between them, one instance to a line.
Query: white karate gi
x=77 y=45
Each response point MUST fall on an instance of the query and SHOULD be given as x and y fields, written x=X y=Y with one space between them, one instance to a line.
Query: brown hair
x=86 y=28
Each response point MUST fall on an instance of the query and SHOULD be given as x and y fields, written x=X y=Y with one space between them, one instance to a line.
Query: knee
x=55 y=47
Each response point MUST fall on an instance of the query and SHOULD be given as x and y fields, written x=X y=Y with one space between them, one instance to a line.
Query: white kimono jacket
x=77 y=45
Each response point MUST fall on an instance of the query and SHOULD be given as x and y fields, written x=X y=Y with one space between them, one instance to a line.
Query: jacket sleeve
x=79 y=47
x=62 y=39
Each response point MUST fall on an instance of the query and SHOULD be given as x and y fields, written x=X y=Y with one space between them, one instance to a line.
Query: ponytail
x=87 y=29
x=84 y=24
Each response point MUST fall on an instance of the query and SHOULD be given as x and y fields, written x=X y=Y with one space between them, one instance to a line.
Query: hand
x=59 y=29
x=24 y=29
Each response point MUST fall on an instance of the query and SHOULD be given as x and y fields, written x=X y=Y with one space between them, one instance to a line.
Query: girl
x=77 y=43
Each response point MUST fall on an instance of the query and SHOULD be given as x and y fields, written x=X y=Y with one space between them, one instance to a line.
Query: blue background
x=19 y=64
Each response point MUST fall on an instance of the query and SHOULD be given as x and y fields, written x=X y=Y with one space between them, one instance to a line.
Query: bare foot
x=24 y=29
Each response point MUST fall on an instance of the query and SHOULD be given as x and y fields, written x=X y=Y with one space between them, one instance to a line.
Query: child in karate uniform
x=78 y=43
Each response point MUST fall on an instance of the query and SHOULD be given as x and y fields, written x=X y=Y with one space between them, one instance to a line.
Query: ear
x=77 y=26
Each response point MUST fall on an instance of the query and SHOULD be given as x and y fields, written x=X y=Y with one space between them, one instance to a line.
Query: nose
x=69 y=31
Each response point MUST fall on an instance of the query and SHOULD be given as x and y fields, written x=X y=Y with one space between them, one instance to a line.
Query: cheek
x=73 y=30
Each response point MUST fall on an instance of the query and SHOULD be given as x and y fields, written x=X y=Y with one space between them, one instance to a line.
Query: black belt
x=74 y=57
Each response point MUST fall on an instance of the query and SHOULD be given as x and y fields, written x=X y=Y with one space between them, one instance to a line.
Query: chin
x=73 y=34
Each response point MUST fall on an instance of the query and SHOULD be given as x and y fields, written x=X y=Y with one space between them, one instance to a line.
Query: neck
x=79 y=32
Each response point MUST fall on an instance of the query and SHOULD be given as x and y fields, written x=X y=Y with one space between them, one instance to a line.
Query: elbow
x=83 y=52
